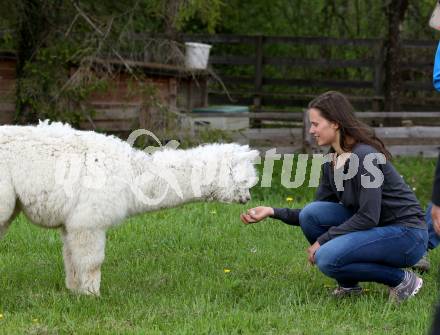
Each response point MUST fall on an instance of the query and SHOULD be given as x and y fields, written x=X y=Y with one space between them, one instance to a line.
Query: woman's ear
x=335 y=126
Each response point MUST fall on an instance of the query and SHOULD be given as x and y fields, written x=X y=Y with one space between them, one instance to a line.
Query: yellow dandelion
x=213 y=212
x=1 y=316
x=34 y=320
x=289 y=199
x=226 y=270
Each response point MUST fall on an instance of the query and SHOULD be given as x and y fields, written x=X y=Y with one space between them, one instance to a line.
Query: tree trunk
x=171 y=11
x=30 y=28
x=395 y=12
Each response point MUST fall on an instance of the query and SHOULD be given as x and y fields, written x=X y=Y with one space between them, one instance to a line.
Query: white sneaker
x=409 y=287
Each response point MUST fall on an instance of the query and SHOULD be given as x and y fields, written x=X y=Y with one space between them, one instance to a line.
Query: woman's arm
x=256 y=214
x=287 y=215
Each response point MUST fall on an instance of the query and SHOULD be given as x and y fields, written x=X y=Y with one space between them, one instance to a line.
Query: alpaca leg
x=85 y=248
x=71 y=275
x=8 y=210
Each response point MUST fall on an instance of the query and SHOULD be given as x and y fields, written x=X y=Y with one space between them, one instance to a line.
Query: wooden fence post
x=379 y=59
x=307 y=137
x=258 y=100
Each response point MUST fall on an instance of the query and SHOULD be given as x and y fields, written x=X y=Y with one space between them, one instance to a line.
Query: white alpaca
x=85 y=182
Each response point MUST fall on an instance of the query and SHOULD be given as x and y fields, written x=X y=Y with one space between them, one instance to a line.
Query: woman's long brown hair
x=335 y=107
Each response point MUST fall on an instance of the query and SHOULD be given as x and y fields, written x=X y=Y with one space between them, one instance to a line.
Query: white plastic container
x=196 y=55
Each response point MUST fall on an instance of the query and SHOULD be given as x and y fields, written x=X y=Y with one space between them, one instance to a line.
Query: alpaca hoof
x=85 y=291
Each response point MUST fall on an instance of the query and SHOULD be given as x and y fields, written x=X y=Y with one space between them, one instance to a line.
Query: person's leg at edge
x=434 y=239
x=423 y=265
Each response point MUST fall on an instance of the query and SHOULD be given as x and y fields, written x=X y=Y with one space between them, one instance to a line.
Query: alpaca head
x=236 y=173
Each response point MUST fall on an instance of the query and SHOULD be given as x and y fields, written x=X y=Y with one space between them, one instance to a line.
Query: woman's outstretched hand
x=256 y=214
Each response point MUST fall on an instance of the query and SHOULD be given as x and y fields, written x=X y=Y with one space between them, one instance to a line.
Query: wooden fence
x=271 y=82
x=278 y=86
x=278 y=76
x=404 y=133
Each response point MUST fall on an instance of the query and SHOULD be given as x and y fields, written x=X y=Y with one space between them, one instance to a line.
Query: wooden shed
x=127 y=104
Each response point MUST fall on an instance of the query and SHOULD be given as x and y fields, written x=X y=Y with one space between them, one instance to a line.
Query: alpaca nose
x=245 y=199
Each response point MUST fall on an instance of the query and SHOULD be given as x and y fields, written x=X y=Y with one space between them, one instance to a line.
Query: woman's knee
x=309 y=222
x=309 y=214
x=327 y=261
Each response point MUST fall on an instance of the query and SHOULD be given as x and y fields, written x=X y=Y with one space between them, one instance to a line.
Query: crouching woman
x=365 y=228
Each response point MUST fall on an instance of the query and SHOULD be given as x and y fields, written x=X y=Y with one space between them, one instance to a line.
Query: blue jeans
x=373 y=255
x=434 y=239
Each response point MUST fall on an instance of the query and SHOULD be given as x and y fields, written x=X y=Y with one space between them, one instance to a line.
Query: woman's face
x=324 y=131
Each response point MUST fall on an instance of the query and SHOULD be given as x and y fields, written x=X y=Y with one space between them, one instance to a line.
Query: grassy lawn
x=198 y=270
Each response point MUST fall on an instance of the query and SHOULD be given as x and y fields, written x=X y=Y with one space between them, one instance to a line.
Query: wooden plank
x=222 y=98
x=6 y=107
x=411 y=141
x=7 y=85
x=7 y=63
x=116 y=114
x=237 y=80
x=322 y=63
x=258 y=84
x=408 y=132
x=219 y=38
x=303 y=100
x=319 y=83
x=378 y=75
x=429 y=118
x=232 y=60
x=245 y=98
x=323 y=41
x=246 y=39
x=283 y=116
x=263 y=133
x=417 y=65
x=113 y=104
x=402 y=115
x=7 y=74
x=418 y=86
x=273 y=137
x=114 y=126
x=7 y=116
x=431 y=151
x=291 y=149
x=419 y=44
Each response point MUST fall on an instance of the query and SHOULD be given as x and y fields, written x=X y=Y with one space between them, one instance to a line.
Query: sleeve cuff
x=324 y=238
x=276 y=213
x=287 y=215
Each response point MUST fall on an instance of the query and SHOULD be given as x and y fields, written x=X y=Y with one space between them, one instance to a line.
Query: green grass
x=164 y=274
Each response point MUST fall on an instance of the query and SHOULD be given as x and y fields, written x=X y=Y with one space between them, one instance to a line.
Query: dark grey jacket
x=393 y=202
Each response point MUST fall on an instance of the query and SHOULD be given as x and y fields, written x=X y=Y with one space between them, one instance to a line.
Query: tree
x=395 y=12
